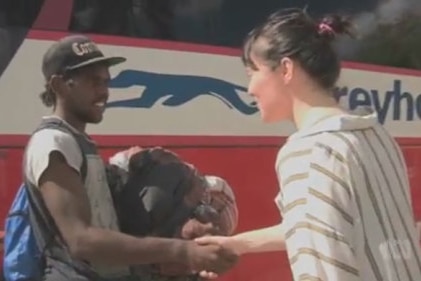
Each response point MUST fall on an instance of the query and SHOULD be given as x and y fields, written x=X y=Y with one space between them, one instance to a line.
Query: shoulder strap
x=44 y=228
x=55 y=123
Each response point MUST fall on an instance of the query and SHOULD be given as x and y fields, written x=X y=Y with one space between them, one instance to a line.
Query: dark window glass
x=226 y=22
x=16 y=17
x=211 y=22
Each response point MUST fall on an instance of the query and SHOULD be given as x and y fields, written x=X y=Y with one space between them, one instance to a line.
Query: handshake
x=208 y=256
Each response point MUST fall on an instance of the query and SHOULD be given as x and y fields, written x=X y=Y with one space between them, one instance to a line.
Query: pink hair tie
x=323 y=27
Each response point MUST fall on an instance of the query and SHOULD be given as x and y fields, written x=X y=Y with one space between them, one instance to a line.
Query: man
x=77 y=76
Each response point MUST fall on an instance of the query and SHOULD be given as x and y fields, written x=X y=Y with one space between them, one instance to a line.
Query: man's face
x=87 y=93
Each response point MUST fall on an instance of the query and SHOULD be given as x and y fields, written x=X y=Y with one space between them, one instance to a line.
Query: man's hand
x=210 y=257
x=193 y=229
x=226 y=242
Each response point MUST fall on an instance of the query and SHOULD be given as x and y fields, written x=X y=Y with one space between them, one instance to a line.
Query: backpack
x=24 y=259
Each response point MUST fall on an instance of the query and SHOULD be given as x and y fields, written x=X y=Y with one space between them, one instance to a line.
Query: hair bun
x=332 y=25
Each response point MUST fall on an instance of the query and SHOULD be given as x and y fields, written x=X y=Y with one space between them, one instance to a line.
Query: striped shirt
x=346 y=205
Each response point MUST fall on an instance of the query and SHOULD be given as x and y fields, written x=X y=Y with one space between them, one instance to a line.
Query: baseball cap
x=74 y=52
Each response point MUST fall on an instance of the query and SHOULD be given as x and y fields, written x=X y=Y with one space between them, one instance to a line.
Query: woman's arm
x=267 y=239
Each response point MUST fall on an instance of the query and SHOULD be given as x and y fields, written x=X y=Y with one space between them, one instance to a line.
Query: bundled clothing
x=156 y=193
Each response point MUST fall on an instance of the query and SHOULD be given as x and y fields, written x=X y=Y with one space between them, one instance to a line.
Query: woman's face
x=270 y=89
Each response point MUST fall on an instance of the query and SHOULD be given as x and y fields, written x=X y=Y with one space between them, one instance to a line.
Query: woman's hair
x=293 y=33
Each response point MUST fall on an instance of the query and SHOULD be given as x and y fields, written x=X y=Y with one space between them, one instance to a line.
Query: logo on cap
x=85 y=48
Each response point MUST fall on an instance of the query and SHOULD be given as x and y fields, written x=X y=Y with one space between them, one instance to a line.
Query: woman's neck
x=314 y=107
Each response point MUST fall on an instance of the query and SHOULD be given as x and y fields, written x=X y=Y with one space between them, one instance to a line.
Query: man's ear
x=54 y=83
x=58 y=84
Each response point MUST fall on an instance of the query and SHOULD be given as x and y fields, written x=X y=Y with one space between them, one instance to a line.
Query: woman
x=344 y=197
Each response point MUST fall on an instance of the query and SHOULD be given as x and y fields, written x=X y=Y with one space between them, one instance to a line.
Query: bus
x=183 y=87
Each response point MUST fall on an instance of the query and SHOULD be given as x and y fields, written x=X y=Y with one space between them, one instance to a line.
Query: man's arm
x=66 y=199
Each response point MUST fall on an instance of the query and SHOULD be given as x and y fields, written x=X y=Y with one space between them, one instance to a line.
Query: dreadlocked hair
x=48 y=97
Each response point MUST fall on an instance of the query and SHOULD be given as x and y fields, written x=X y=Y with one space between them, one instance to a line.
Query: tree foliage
x=395 y=44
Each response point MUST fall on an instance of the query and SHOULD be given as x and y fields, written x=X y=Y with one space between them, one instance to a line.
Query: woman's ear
x=286 y=67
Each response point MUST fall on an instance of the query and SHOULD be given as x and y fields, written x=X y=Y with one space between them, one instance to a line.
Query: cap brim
x=109 y=61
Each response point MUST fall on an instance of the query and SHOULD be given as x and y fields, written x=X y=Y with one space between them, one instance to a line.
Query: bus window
x=16 y=17
x=210 y=22
x=100 y=16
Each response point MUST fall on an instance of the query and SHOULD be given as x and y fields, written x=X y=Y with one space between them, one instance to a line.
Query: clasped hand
x=208 y=256
x=229 y=243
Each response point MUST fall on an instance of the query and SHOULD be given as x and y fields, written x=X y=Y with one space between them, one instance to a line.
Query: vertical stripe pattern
x=346 y=207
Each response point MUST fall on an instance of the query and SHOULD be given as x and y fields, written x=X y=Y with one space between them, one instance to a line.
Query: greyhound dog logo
x=178 y=90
